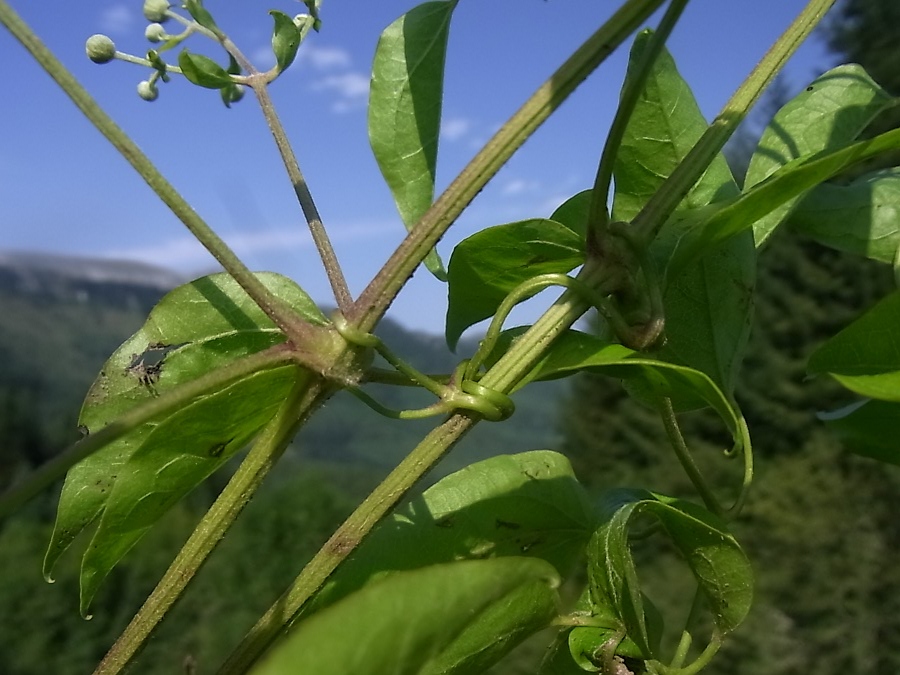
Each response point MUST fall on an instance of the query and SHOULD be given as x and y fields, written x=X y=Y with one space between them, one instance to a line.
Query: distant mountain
x=62 y=316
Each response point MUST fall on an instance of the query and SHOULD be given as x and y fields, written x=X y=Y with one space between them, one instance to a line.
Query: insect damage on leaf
x=147 y=366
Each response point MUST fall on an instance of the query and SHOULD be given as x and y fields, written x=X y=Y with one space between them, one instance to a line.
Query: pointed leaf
x=487 y=266
x=862 y=217
x=179 y=454
x=203 y=71
x=717 y=562
x=285 y=39
x=870 y=429
x=708 y=305
x=402 y=624
x=573 y=213
x=828 y=114
x=195 y=328
x=405 y=100
x=707 y=227
x=865 y=356
x=509 y=505
x=201 y=15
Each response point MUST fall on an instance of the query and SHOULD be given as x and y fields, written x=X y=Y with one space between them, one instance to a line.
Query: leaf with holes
x=181 y=452
x=194 y=329
x=405 y=99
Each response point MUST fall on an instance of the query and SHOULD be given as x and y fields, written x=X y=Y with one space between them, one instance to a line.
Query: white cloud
x=352 y=89
x=518 y=186
x=323 y=58
x=454 y=128
x=117 y=19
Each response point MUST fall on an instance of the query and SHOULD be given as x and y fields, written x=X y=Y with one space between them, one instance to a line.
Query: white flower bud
x=155 y=10
x=155 y=32
x=100 y=49
x=147 y=90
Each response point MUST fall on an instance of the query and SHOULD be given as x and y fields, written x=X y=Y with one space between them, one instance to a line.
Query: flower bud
x=100 y=49
x=147 y=90
x=155 y=10
x=155 y=32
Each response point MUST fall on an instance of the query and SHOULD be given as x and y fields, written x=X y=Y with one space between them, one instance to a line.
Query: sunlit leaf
x=401 y=624
x=707 y=304
x=488 y=265
x=203 y=71
x=285 y=39
x=181 y=452
x=573 y=213
x=405 y=99
x=828 y=114
x=870 y=429
x=707 y=227
x=194 y=329
x=862 y=217
x=865 y=356
x=201 y=15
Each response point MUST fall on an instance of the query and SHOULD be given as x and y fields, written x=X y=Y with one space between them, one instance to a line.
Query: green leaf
x=509 y=505
x=717 y=562
x=402 y=624
x=179 y=454
x=285 y=39
x=708 y=305
x=573 y=213
x=708 y=227
x=828 y=114
x=405 y=109
x=865 y=356
x=196 y=328
x=487 y=266
x=201 y=15
x=862 y=217
x=870 y=429
x=203 y=71
x=575 y=352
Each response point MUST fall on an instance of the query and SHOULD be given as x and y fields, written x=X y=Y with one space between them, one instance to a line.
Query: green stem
x=378 y=295
x=660 y=206
x=304 y=196
x=502 y=377
x=686 y=458
x=49 y=473
x=598 y=216
x=280 y=314
x=307 y=395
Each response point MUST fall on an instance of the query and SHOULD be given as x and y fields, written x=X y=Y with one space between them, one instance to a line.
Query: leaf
x=708 y=305
x=196 y=328
x=401 y=624
x=509 y=505
x=862 y=217
x=285 y=40
x=717 y=562
x=575 y=352
x=201 y=15
x=865 y=356
x=869 y=429
x=488 y=265
x=496 y=631
x=179 y=454
x=405 y=99
x=828 y=114
x=574 y=212
x=708 y=227
x=203 y=71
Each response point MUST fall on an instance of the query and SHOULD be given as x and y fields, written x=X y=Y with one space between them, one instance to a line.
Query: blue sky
x=63 y=190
